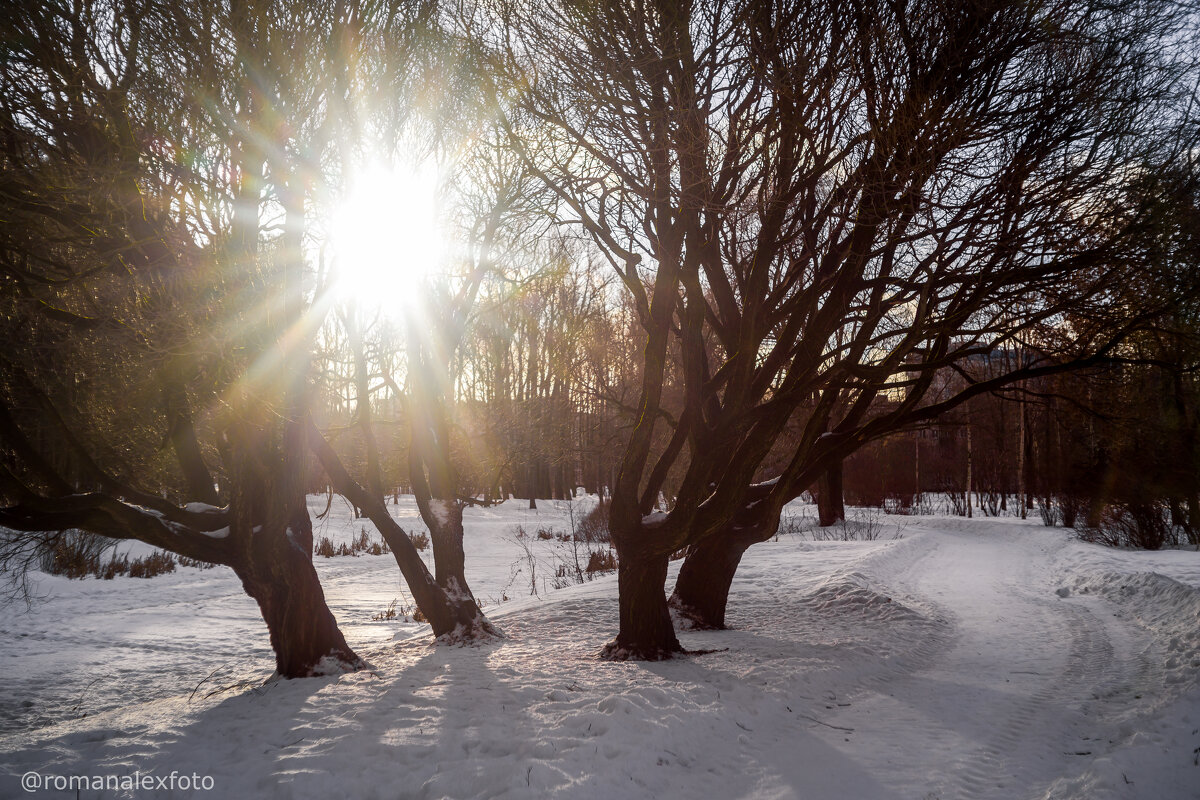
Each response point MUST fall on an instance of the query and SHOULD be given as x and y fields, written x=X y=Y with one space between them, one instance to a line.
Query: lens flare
x=385 y=235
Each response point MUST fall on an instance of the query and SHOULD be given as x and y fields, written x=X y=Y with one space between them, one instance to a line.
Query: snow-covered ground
x=965 y=659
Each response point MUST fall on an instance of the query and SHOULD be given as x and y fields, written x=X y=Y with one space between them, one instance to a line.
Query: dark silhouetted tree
x=848 y=200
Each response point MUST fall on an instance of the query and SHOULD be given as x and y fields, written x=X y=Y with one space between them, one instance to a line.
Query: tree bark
x=445 y=521
x=969 y=465
x=454 y=615
x=702 y=588
x=362 y=401
x=917 y=472
x=1021 y=478
x=182 y=433
x=831 y=507
x=1193 y=520
x=431 y=466
x=304 y=634
x=646 y=631
x=271 y=534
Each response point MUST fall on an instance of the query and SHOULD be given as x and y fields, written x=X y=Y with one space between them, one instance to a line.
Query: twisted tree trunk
x=272 y=543
x=279 y=574
x=702 y=588
x=451 y=614
x=646 y=631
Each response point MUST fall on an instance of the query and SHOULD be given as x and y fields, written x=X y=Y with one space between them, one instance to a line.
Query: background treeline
x=542 y=385
x=1111 y=452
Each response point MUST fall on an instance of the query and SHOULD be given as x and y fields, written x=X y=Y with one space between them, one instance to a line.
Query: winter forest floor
x=987 y=658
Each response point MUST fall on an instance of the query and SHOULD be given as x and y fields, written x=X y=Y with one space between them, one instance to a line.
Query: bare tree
x=849 y=199
x=148 y=298
x=485 y=193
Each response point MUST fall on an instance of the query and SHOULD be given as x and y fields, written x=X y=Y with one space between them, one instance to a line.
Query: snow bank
x=852 y=593
x=1156 y=735
x=1168 y=608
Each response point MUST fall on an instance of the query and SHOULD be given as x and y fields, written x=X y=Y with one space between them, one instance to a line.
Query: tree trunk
x=969 y=465
x=445 y=521
x=1021 y=458
x=559 y=478
x=182 y=432
x=917 y=473
x=702 y=589
x=273 y=541
x=831 y=507
x=362 y=402
x=435 y=485
x=445 y=601
x=531 y=485
x=1193 y=520
x=459 y=616
x=303 y=631
x=646 y=631
x=1175 y=506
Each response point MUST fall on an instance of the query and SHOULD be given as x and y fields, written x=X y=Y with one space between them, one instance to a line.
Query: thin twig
x=82 y=694
x=826 y=724
x=201 y=683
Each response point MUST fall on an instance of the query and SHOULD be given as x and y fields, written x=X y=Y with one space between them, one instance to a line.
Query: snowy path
x=1027 y=682
x=968 y=659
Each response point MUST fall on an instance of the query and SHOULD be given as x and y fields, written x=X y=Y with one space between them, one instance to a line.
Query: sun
x=385 y=235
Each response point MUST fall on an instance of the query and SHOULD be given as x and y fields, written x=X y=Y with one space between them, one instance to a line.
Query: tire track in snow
x=1020 y=685
x=1023 y=732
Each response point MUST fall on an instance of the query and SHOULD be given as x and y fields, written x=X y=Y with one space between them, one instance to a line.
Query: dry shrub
x=157 y=563
x=76 y=554
x=594 y=526
x=400 y=613
x=325 y=548
x=184 y=561
x=362 y=542
x=601 y=561
x=1140 y=525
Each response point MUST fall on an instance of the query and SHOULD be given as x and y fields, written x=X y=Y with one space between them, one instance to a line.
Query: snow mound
x=1168 y=608
x=852 y=593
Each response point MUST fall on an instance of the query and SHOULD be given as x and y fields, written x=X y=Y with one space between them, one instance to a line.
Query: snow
x=203 y=508
x=442 y=510
x=947 y=663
